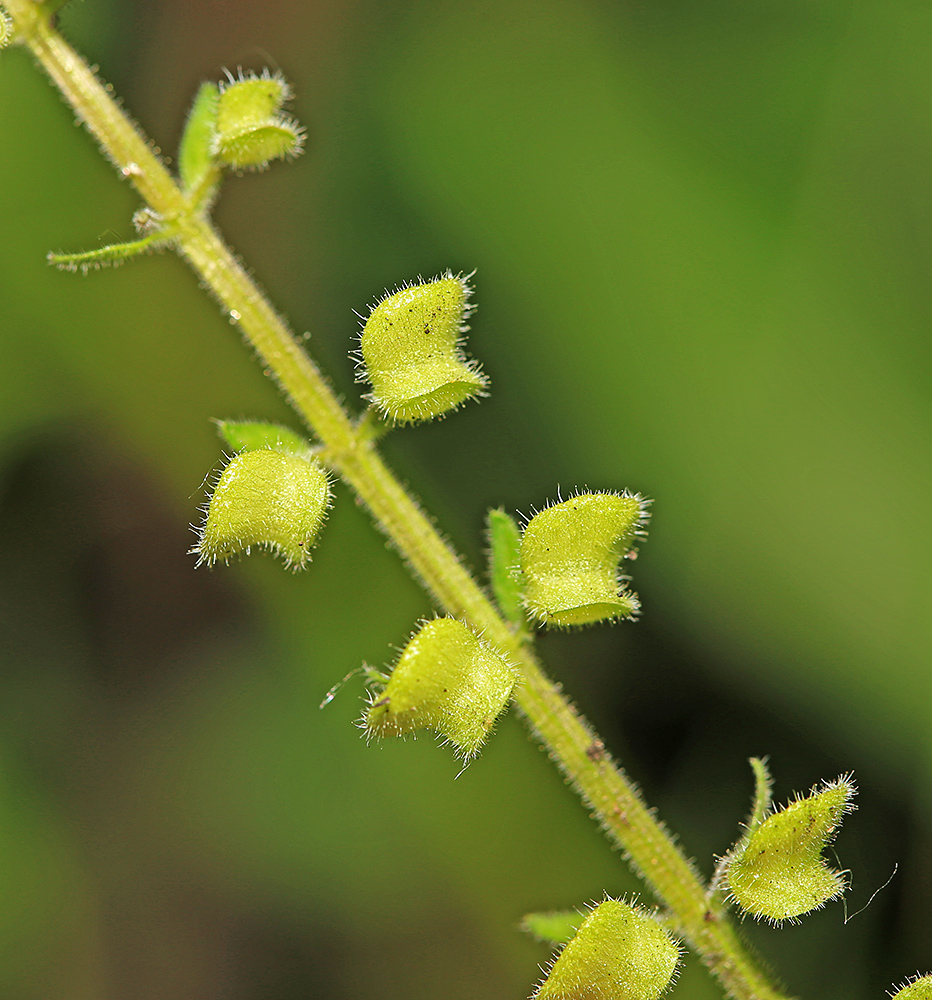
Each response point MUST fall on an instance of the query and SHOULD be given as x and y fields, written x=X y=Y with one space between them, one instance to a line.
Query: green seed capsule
x=918 y=988
x=411 y=353
x=250 y=100
x=268 y=499
x=250 y=131
x=448 y=680
x=777 y=873
x=255 y=148
x=619 y=953
x=570 y=554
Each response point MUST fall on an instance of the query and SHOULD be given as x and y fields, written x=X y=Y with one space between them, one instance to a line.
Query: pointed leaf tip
x=555 y=928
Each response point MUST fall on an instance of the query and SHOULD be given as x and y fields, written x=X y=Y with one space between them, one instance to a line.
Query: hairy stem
x=351 y=452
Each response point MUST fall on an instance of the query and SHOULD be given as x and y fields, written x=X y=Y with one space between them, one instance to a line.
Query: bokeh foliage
x=702 y=240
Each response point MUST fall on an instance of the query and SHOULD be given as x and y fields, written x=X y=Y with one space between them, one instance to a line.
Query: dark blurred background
x=702 y=235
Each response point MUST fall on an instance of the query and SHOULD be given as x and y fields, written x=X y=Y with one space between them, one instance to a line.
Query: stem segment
x=351 y=452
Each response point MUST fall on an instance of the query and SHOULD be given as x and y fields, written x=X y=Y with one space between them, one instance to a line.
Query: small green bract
x=556 y=927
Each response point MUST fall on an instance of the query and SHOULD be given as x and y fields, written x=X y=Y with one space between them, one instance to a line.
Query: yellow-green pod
x=250 y=131
x=619 y=953
x=265 y=498
x=448 y=680
x=250 y=100
x=410 y=347
x=776 y=872
x=570 y=554
x=255 y=148
x=917 y=988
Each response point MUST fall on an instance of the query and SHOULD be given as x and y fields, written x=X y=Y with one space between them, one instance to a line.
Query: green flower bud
x=776 y=872
x=270 y=499
x=916 y=988
x=448 y=680
x=619 y=953
x=570 y=554
x=411 y=355
x=250 y=131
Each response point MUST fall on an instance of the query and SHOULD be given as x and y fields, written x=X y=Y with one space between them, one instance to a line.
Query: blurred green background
x=702 y=235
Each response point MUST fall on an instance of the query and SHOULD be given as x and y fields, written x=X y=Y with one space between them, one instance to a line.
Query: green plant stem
x=572 y=743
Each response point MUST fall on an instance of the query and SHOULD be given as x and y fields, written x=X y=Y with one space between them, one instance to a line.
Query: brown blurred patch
x=94 y=557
